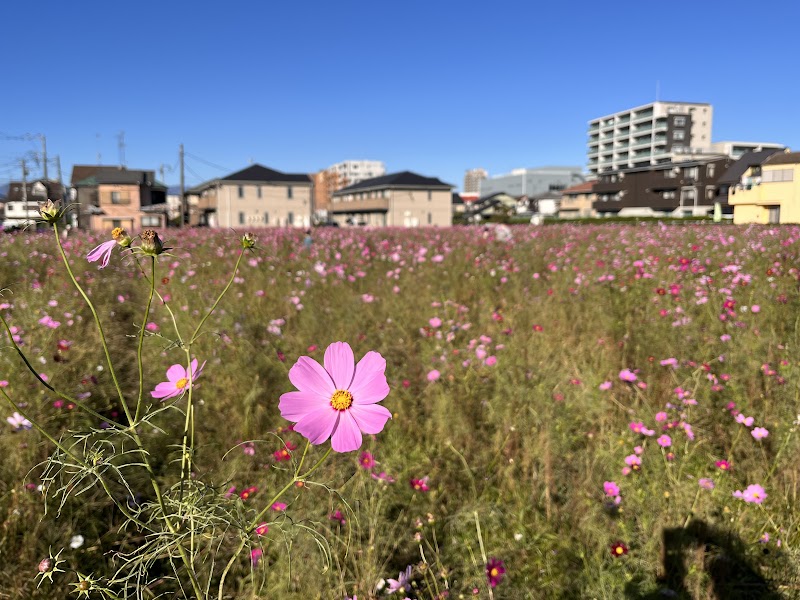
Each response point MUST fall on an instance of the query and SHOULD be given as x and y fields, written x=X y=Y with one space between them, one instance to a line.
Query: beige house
x=253 y=197
x=769 y=192
x=402 y=199
x=576 y=201
x=110 y=197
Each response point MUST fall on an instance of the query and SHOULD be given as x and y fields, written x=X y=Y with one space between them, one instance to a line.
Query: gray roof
x=256 y=174
x=783 y=158
x=748 y=159
x=396 y=180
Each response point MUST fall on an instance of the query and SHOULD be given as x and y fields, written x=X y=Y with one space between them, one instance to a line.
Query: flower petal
x=341 y=364
x=370 y=418
x=176 y=372
x=296 y=405
x=307 y=375
x=165 y=390
x=102 y=251
x=347 y=436
x=318 y=425
x=369 y=382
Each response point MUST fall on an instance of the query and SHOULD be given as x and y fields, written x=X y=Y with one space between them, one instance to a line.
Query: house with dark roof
x=253 y=197
x=768 y=192
x=403 y=199
x=109 y=197
x=737 y=176
x=22 y=203
x=493 y=205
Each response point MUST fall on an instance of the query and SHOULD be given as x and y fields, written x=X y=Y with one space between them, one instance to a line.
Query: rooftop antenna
x=99 y=156
x=121 y=144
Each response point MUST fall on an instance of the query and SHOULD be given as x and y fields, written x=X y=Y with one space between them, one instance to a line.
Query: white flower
x=518 y=536
x=76 y=542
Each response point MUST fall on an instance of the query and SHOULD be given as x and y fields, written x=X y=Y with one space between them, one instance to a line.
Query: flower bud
x=51 y=211
x=151 y=243
x=45 y=565
x=121 y=236
x=248 y=241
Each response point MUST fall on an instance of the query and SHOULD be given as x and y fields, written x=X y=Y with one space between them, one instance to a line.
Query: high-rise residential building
x=354 y=171
x=532 y=182
x=651 y=134
x=472 y=181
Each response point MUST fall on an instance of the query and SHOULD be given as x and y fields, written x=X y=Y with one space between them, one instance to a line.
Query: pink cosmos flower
x=606 y=385
x=18 y=422
x=278 y=506
x=435 y=322
x=262 y=529
x=494 y=571
x=627 y=375
x=255 y=556
x=102 y=253
x=759 y=433
x=610 y=488
x=706 y=484
x=419 y=485
x=664 y=441
x=178 y=380
x=339 y=401
x=753 y=493
x=366 y=460
x=434 y=375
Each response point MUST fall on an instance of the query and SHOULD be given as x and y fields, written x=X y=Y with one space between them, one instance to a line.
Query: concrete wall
x=274 y=207
x=420 y=208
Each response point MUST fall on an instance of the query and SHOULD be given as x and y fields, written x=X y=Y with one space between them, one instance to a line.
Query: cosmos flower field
x=587 y=411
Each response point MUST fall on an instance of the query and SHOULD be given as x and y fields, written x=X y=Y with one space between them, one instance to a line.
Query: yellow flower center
x=341 y=400
x=619 y=550
x=117 y=232
x=494 y=572
x=181 y=383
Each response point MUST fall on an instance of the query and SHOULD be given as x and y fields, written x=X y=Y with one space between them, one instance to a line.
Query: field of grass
x=594 y=406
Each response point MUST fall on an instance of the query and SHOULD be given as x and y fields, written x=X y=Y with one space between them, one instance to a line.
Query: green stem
x=99 y=326
x=217 y=301
x=140 y=342
x=66 y=397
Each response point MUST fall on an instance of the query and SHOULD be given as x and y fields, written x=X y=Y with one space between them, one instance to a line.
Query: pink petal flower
x=337 y=401
x=102 y=253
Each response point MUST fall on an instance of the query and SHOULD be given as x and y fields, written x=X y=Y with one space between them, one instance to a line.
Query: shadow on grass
x=723 y=560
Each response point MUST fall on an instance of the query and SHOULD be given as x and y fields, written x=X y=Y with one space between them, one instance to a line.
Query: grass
x=518 y=450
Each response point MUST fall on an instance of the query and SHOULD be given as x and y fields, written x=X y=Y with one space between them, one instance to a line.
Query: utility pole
x=43 y=139
x=121 y=144
x=183 y=191
x=58 y=168
x=24 y=184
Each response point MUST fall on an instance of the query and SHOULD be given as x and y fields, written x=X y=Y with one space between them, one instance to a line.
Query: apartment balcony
x=593 y=152
x=622 y=145
x=660 y=140
x=644 y=143
x=624 y=119
x=594 y=127
x=645 y=115
x=360 y=206
x=661 y=124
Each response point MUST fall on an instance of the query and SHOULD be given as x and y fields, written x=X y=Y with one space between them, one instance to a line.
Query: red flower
x=618 y=549
x=495 y=569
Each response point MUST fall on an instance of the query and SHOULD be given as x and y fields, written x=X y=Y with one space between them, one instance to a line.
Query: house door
x=774 y=214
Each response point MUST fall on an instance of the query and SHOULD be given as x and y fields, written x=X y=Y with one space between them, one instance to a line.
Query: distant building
x=769 y=192
x=681 y=189
x=531 y=182
x=498 y=204
x=109 y=197
x=738 y=149
x=576 y=201
x=647 y=135
x=545 y=204
x=253 y=197
x=403 y=199
x=340 y=175
x=734 y=176
x=22 y=209
x=472 y=181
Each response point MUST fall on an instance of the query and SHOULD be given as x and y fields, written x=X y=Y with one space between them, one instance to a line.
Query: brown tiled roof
x=783 y=158
x=581 y=188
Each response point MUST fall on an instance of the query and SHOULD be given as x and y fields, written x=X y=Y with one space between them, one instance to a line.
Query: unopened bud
x=151 y=243
x=45 y=565
x=248 y=241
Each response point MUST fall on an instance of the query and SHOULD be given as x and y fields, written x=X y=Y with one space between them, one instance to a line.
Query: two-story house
x=109 y=197
x=576 y=201
x=253 y=197
x=402 y=199
x=22 y=203
x=769 y=192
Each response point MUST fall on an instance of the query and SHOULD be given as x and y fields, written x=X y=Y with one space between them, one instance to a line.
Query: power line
x=188 y=168
x=209 y=163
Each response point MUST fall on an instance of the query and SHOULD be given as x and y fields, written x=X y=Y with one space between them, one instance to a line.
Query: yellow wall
x=750 y=206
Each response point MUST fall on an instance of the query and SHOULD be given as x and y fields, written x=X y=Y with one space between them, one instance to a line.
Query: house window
x=116 y=198
x=678 y=134
x=688 y=196
x=241 y=191
x=290 y=218
x=289 y=192
x=774 y=214
x=266 y=218
x=710 y=170
x=116 y=223
x=680 y=121
x=690 y=172
x=151 y=221
x=430 y=217
x=670 y=174
x=241 y=217
x=430 y=197
x=258 y=191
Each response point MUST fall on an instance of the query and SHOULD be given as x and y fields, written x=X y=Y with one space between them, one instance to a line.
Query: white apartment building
x=647 y=135
x=355 y=171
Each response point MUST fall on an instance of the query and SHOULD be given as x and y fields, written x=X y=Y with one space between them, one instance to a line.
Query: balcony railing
x=339 y=205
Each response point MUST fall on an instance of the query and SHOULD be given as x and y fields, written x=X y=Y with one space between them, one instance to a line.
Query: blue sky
x=435 y=87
